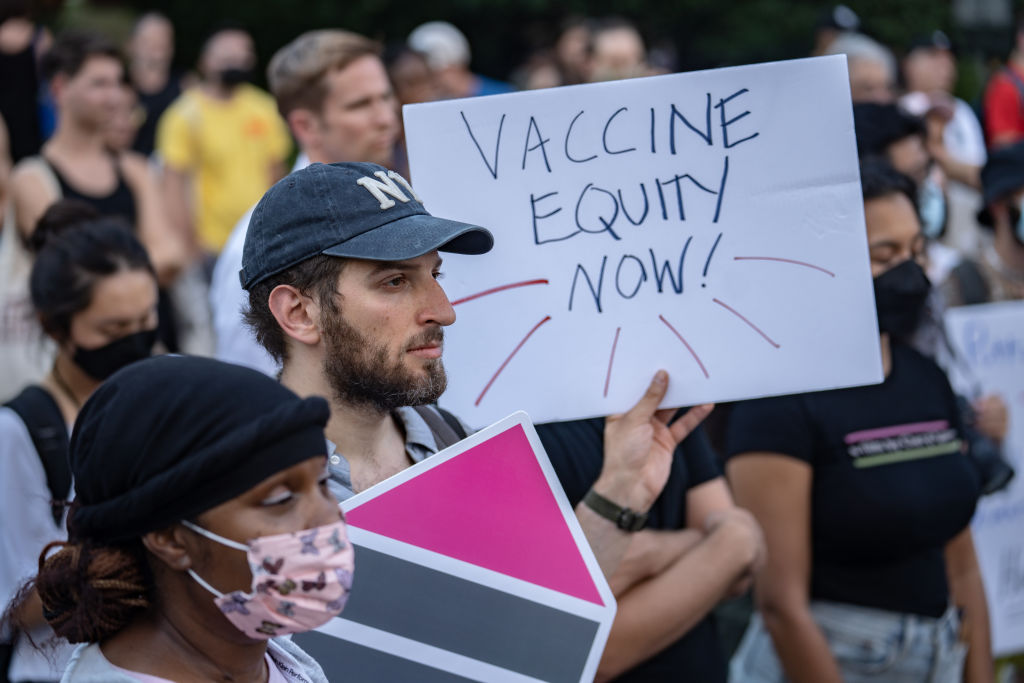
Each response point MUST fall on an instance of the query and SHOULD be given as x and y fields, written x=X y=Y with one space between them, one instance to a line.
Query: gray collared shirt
x=419 y=443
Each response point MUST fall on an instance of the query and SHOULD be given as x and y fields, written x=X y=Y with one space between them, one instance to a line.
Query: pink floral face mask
x=300 y=580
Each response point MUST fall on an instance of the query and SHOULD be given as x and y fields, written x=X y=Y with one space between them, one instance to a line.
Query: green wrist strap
x=623 y=518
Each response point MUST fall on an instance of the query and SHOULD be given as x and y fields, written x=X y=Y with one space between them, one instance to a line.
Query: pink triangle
x=490 y=506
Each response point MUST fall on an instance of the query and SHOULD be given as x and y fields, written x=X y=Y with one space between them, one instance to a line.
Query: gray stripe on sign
x=451 y=613
x=343 y=660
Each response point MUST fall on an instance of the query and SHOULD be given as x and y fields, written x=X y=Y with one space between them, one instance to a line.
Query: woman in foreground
x=202 y=530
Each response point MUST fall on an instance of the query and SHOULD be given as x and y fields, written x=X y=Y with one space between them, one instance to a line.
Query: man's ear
x=304 y=127
x=169 y=546
x=57 y=85
x=296 y=313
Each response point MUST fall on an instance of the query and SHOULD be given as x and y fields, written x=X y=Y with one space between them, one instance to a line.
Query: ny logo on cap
x=386 y=186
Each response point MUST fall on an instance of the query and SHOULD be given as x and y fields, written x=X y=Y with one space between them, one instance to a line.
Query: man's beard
x=361 y=373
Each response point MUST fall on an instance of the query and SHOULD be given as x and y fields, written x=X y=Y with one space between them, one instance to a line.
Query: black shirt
x=575 y=451
x=891 y=484
x=19 y=101
x=154 y=104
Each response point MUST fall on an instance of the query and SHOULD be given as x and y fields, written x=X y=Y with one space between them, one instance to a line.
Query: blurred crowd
x=127 y=190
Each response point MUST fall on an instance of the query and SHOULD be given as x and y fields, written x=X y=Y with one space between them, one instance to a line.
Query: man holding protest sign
x=341 y=265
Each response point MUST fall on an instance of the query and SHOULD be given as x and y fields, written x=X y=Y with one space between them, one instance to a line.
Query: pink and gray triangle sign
x=470 y=566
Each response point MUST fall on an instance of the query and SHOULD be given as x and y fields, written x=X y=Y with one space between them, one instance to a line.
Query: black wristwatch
x=624 y=518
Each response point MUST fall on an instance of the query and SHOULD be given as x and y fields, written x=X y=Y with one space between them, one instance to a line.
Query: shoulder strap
x=443 y=425
x=49 y=433
x=971 y=282
x=453 y=422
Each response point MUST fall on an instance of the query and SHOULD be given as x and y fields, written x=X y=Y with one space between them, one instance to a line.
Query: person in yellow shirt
x=222 y=143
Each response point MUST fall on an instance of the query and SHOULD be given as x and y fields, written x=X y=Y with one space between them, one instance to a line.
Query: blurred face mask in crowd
x=229 y=58
x=102 y=362
x=932 y=209
x=896 y=246
x=900 y=296
x=118 y=327
x=235 y=76
x=300 y=580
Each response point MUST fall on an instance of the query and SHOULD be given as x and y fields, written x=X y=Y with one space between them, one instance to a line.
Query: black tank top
x=120 y=202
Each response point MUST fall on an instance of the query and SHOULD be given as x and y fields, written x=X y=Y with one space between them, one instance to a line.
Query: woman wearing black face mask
x=95 y=293
x=865 y=496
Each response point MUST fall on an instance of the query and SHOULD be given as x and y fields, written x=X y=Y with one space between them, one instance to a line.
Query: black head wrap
x=170 y=437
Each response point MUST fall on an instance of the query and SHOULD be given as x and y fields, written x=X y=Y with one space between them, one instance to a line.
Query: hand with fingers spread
x=638 y=447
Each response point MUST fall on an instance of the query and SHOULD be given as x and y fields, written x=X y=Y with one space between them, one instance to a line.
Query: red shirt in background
x=1004 y=107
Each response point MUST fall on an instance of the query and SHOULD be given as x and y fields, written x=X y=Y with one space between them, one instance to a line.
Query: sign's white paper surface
x=990 y=342
x=708 y=223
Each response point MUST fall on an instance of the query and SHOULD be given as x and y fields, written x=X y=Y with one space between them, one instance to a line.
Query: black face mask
x=231 y=78
x=103 y=362
x=900 y=296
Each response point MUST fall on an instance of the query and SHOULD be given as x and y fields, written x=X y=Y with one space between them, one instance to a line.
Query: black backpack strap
x=41 y=415
x=445 y=427
x=971 y=282
x=453 y=422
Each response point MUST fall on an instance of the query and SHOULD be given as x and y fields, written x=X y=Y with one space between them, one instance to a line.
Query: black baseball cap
x=352 y=210
x=936 y=40
x=1001 y=176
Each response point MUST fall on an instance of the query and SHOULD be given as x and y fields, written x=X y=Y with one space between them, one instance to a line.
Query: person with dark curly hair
x=202 y=530
x=94 y=293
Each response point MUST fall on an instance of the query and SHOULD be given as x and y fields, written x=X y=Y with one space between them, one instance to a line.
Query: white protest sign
x=710 y=223
x=989 y=340
x=470 y=565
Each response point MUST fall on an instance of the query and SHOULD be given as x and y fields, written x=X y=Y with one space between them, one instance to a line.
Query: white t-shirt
x=963 y=136
x=26 y=529
x=236 y=342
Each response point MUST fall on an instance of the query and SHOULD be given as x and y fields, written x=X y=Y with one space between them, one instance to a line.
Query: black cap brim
x=414 y=236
